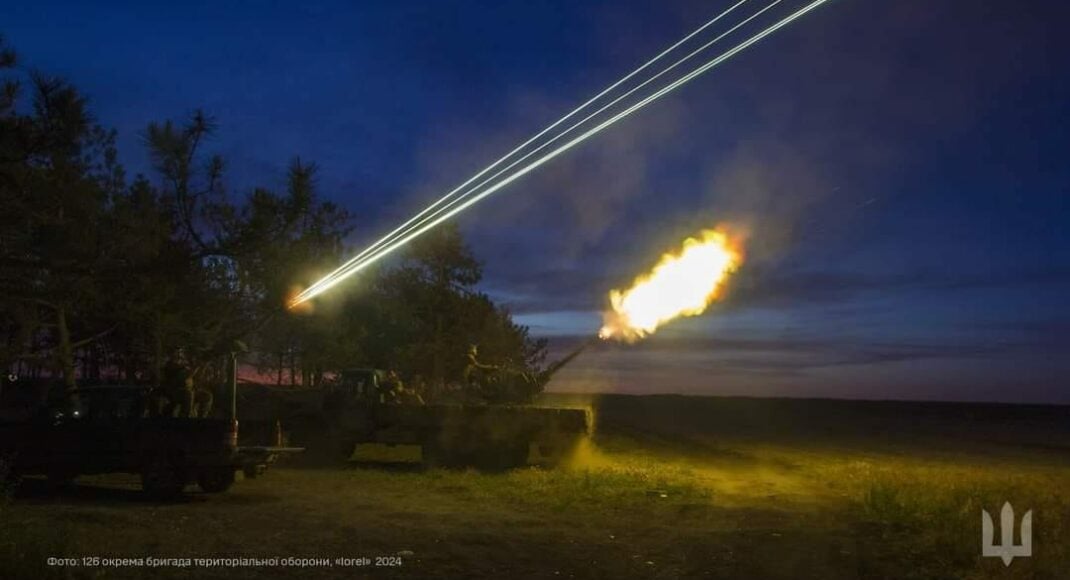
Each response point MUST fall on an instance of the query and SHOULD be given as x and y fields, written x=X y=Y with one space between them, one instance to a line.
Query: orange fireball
x=681 y=284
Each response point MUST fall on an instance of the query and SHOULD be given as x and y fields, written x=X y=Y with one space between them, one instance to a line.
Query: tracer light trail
x=429 y=215
x=441 y=200
x=333 y=279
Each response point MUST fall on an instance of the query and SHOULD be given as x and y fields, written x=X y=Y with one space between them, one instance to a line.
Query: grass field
x=670 y=487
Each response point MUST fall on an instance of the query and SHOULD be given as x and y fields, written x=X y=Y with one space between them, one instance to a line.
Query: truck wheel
x=10 y=482
x=160 y=477
x=517 y=454
x=10 y=478
x=58 y=479
x=346 y=450
x=502 y=456
x=559 y=452
x=432 y=455
x=216 y=480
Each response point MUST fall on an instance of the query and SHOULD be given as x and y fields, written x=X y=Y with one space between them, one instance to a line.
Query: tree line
x=104 y=276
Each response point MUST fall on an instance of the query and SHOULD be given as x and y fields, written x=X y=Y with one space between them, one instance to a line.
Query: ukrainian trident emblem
x=1006 y=549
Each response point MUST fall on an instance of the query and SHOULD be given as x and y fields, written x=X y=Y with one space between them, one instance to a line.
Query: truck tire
x=57 y=479
x=516 y=455
x=432 y=454
x=161 y=478
x=9 y=485
x=560 y=451
x=502 y=456
x=345 y=450
x=216 y=480
x=10 y=478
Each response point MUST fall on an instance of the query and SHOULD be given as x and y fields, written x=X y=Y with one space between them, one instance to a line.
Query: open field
x=671 y=487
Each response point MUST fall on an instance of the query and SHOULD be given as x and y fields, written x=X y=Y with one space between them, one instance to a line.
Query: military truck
x=449 y=435
x=114 y=429
x=361 y=407
x=103 y=430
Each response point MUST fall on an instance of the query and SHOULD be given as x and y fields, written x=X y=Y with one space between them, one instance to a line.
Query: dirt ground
x=670 y=487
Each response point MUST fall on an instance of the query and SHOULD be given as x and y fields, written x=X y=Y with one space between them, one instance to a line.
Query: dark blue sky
x=902 y=167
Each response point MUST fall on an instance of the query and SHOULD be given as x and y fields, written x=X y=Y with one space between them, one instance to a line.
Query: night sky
x=902 y=167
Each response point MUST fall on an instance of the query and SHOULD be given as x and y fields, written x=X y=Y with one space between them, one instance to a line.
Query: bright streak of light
x=335 y=278
x=441 y=200
x=681 y=284
x=420 y=221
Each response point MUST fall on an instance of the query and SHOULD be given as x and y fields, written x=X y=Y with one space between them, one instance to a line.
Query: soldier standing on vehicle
x=475 y=371
x=177 y=383
x=421 y=389
x=203 y=399
x=387 y=387
x=393 y=390
x=403 y=394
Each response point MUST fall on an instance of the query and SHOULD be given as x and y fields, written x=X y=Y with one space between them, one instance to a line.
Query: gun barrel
x=558 y=364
